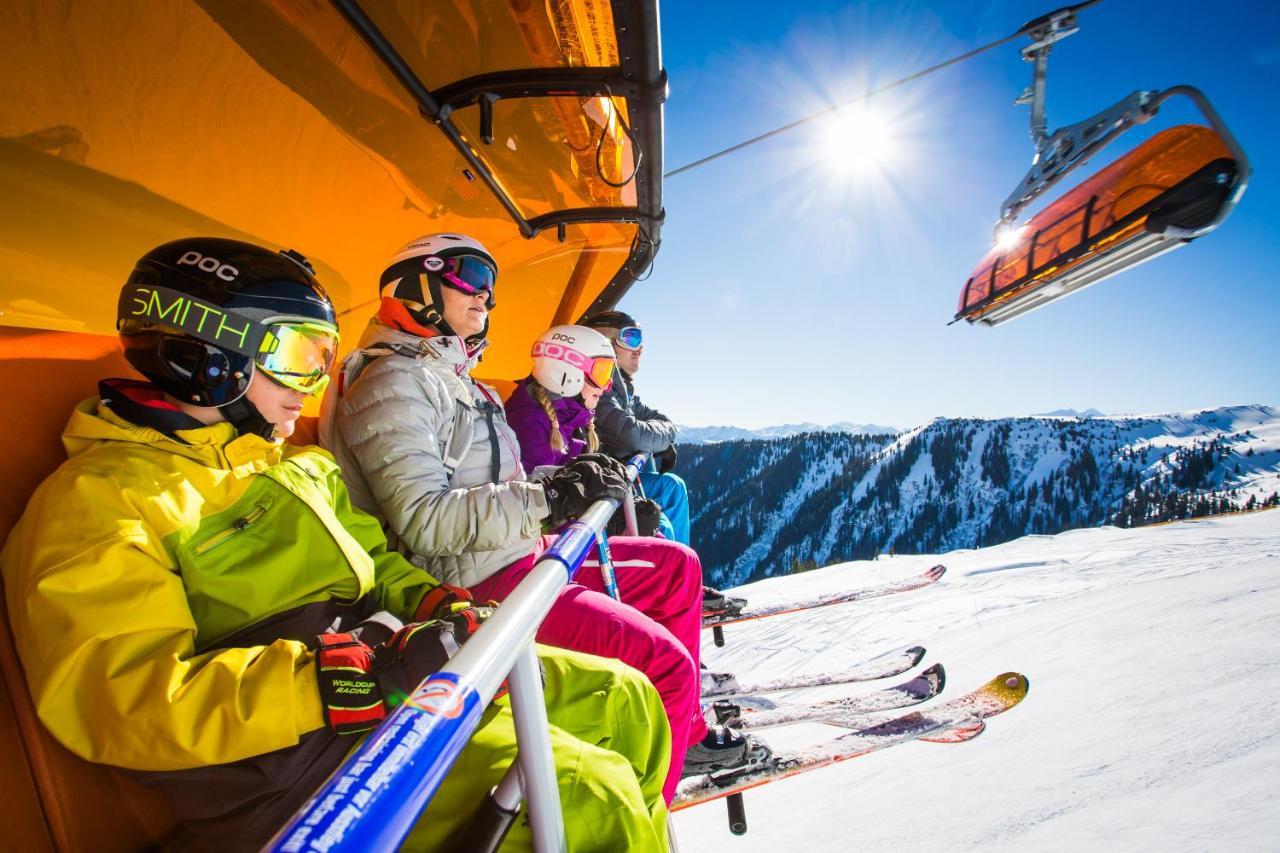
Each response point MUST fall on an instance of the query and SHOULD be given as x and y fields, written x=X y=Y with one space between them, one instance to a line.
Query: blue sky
x=788 y=290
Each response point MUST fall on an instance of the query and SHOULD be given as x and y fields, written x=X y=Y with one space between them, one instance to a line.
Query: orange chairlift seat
x=1173 y=188
x=341 y=129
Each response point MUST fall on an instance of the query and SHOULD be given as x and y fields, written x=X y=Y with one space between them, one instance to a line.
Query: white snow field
x=1151 y=723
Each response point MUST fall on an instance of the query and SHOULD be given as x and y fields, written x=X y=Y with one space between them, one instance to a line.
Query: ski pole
x=629 y=514
x=602 y=538
x=606 y=567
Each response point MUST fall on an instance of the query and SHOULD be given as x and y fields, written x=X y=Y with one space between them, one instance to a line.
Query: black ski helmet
x=194 y=312
x=609 y=320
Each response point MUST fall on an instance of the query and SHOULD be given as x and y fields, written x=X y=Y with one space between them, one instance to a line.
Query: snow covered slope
x=1154 y=659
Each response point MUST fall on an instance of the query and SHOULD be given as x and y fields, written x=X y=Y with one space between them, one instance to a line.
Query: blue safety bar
x=374 y=798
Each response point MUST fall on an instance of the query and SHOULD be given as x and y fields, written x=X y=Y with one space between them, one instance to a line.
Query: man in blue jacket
x=628 y=426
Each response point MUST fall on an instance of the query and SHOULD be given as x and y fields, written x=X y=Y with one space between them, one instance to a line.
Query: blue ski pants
x=670 y=493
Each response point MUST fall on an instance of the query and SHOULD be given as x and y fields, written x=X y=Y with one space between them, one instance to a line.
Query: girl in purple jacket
x=552 y=414
x=553 y=410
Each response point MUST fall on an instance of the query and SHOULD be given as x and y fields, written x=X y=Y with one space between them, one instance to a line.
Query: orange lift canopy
x=335 y=130
x=1177 y=186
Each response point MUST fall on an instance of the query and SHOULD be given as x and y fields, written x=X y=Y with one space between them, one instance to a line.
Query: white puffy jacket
x=427 y=450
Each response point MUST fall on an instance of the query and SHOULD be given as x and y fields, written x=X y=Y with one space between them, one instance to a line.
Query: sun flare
x=858 y=139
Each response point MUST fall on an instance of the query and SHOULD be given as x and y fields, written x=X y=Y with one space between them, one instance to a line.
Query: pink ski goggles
x=598 y=371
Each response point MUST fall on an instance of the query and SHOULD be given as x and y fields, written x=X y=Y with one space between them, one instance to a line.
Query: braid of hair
x=593 y=439
x=557 y=440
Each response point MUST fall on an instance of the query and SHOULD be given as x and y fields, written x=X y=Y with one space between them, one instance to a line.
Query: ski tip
x=938 y=675
x=917 y=653
x=1011 y=687
x=937 y=571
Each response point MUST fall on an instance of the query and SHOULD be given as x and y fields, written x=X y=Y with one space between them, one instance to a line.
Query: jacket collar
x=99 y=420
x=448 y=352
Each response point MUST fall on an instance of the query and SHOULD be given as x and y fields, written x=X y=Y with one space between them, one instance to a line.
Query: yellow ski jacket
x=144 y=567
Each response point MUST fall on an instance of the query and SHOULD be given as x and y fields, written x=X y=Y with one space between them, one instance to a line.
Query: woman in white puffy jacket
x=427 y=449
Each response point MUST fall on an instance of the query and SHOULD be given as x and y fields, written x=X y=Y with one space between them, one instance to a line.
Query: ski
x=826 y=599
x=950 y=722
x=724 y=685
x=754 y=712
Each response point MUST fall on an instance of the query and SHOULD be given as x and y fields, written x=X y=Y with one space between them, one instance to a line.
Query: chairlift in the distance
x=1178 y=185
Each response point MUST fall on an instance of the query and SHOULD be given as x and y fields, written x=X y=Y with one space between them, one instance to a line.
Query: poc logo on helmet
x=568 y=339
x=226 y=272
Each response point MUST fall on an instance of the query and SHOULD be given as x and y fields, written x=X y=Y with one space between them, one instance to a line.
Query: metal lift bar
x=1243 y=168
x=373 y=799
x=427 y=104
x=645 y=92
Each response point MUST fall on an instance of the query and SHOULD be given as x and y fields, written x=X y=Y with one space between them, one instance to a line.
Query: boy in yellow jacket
x=184 y=589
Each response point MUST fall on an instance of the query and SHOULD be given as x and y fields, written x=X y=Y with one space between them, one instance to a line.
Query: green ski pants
x=611 y=743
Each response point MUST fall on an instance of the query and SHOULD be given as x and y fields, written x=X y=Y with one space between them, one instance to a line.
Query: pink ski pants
x=656 y=628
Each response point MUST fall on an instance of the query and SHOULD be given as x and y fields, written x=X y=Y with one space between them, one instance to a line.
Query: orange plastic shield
x=125 y=125
x=1176 y=177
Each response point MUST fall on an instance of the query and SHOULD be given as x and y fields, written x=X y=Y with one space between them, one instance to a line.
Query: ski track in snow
x=1151 y=724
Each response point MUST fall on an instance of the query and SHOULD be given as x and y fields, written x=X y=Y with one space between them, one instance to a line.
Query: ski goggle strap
x=598 y=371
x=299 y=355
x=147 y=304
x=630 y=337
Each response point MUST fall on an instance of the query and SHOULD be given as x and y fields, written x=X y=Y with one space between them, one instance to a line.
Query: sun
x=858 y=139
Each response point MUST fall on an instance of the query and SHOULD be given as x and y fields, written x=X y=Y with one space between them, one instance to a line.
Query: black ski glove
x=361 y=682
x=647 y=515
x=666 y=459
x=579 y=484
x=606 y=461
x=421 y=648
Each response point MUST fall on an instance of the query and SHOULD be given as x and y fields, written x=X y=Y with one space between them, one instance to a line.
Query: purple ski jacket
x=527 y=418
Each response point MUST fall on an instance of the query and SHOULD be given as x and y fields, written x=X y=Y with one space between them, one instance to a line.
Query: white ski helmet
x=415 y=274
x=566 y=357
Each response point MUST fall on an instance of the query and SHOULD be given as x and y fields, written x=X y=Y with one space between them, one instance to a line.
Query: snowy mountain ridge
x=713 y=434
x=764 y=507
x=1069 y=413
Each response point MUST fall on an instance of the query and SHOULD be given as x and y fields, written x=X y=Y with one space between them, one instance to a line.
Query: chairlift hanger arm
x=1069 y=148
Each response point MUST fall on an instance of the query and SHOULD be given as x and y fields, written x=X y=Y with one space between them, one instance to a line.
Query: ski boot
x=724 y=749
x=728 y=712
x=716 y=603
x=713 y=682
x=726 y=754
